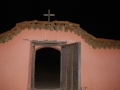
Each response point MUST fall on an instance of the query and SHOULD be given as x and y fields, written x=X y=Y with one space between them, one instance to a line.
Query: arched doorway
x=69 y=66
x=47 y=68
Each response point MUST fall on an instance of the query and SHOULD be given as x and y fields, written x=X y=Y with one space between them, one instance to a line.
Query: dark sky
x=101 y=19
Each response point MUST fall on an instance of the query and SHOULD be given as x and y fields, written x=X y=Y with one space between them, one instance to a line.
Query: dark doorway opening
x=47 y=68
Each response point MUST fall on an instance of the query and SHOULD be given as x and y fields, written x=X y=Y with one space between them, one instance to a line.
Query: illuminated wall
x=100 y=69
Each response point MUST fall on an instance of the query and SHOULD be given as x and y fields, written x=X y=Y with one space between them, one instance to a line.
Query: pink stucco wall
x=100 y=69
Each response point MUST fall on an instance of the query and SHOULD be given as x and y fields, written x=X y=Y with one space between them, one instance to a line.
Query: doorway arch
x=47 y=68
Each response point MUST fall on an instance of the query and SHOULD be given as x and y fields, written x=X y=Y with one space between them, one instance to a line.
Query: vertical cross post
x=48 y=15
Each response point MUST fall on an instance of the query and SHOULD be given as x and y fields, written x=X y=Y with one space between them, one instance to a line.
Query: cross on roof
x=48 y=15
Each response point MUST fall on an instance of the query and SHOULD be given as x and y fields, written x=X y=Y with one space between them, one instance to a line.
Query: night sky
x=101 y=19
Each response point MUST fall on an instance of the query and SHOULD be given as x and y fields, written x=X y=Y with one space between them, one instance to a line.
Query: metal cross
x=48 y=15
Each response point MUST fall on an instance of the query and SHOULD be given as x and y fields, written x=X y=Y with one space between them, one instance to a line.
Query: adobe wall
x=100 y=69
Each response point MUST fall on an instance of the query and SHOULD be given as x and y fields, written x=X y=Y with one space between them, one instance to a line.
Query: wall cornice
x=63 y=26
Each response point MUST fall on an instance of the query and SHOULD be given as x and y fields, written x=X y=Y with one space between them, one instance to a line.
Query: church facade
x=86 y=63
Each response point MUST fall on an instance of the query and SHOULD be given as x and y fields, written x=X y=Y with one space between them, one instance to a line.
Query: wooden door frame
x=45 y=44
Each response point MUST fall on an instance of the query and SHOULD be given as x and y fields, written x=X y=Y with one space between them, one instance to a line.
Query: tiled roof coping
x=63 y=26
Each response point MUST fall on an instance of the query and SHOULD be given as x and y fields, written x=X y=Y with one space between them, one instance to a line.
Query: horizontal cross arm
x=52 y=14
x=48 y=14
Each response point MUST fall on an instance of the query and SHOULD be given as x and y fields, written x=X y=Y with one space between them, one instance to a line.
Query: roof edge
x=63 y=26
